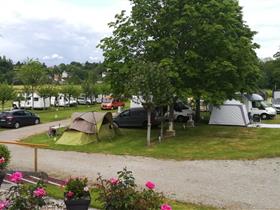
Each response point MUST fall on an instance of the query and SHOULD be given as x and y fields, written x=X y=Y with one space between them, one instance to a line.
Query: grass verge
x=202 y=142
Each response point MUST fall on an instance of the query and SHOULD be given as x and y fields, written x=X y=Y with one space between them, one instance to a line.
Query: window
x=20 y=113
x=125 y=113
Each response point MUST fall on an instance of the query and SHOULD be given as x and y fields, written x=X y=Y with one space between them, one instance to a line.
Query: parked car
x=84 y=101
x=135 y=117
x=112 y=104
x=18 y=118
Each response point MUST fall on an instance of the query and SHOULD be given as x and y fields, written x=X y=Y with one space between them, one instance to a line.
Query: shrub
x=24 y=196
x=5 y=156
x=121 y=193
x=76 y=188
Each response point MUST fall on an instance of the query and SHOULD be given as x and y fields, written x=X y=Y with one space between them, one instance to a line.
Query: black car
x=135 y=117
x=18 y=118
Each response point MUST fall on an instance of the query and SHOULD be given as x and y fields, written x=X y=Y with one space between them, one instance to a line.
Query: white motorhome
x=256 y=106
x=39 y=102
x=61 y=100
x=276 y=100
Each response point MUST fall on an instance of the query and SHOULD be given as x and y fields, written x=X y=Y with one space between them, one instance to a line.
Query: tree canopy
x=208 y=46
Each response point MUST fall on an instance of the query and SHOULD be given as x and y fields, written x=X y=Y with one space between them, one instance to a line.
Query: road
x=231 y=184
x=23 y=132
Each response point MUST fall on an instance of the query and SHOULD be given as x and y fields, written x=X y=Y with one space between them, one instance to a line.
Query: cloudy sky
x=56 y=31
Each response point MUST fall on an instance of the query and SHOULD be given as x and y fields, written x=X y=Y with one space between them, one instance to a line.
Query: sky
x=62 y=31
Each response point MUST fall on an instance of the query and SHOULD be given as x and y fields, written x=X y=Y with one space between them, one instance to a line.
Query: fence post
x=35 y=159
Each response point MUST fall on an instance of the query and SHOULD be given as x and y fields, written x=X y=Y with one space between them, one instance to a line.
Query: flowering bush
x=5 y=156
x=76 y=188
x=22 y=196
x=121 y=194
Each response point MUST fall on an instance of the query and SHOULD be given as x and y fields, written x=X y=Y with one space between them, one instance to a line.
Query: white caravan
x=61 y=100
x=39 y=102
x=232 y=112
x=276 y=100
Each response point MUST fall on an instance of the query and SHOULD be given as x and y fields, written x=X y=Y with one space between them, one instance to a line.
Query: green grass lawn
x=201 y=142
x=57 y=193
x=60 y=113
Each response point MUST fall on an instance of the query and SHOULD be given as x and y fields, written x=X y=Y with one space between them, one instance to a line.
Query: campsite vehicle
x=256 y=106
x=84 y=101
x=276 y=104
x=17 y=118
x=39 y=102
x=61 y=100
x=135 y=117
x=112 y=104
x=182 y=112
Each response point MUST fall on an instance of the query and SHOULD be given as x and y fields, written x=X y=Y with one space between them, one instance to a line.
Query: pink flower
x=4 y=204
x=69 y=194
x=114 y=181
x=16 y=177
x=165 y=207
x=150 y=185
x=39 y=192
x=2 y=160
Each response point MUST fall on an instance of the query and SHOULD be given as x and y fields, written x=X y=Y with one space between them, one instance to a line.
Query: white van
x=256 y=106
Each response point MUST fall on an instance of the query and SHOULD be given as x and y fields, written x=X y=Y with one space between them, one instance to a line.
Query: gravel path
x=228 y=184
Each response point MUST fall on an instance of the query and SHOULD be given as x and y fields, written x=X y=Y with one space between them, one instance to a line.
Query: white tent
x=232 y=112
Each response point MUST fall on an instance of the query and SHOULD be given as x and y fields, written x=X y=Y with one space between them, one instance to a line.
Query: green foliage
x=6 y=93
x=5 y=156
x=76 y=188
x=6 y=70
x=21 y=197
x=271 y=74
x=122 y=194
x=31 y=73
x=208 y=47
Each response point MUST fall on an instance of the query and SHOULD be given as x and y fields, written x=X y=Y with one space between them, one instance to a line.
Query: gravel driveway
x=228 y=184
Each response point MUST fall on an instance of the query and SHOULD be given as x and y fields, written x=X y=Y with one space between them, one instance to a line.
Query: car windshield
x=107 y=100
x=264 y=104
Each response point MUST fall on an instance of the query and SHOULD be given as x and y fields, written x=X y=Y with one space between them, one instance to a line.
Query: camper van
x=39 y=102
x=61 y=100
x=276 y=100
x=256 y=106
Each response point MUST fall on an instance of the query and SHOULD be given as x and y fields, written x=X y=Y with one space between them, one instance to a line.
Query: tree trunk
x=148 y=126
x=3 y=102
x=197 y=109
x=32 y=99
x=171 y=118
x=161 y=125
x=44 y=102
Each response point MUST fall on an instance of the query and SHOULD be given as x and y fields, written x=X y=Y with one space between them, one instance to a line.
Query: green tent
x=88 y=127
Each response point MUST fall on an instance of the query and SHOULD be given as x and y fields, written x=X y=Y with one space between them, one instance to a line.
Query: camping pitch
x=88 y=127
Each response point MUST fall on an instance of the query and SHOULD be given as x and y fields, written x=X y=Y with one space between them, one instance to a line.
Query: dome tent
x=88 y=127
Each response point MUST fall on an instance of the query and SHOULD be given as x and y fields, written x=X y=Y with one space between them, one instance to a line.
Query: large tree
x=208 y=46
x=32 y=73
